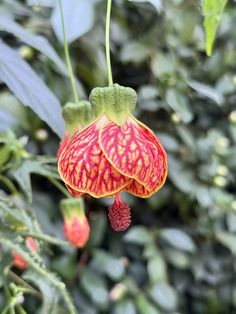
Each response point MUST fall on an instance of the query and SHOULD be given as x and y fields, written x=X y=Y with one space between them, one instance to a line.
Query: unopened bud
x=76 y=226
x=19 y=261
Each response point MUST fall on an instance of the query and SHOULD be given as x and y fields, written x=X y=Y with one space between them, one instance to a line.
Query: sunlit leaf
x=212 y=11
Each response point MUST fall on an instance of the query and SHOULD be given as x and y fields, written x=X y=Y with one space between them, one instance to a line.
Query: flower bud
x=18 y=261
x=76 y=226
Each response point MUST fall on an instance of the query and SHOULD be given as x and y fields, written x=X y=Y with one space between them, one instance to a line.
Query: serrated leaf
x=212 y=11
x=78 y=16
x=30 y=89
x=40 y=43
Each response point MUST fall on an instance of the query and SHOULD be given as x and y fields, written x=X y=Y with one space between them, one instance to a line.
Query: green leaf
x=108 y=264
x=228 y=240
x=178 y=239
x=179 y=104
x=137 y=235
x=78 y=17
x=145 y=306
x=38 y=42
x=96 y=288
x=29 y=166
x=30 y=89
x=124 y=307
x=212 y=11
x=164 y=296
x=207 y=91
x=49 y=292
x=135 y=52
x=156 y=268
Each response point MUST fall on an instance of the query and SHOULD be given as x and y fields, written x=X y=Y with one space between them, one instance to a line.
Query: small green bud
x=77 y=115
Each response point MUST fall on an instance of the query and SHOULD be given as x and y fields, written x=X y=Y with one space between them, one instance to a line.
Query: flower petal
x=73 y=192
x=130 y=150
x=137 y=189
x=160 y=167
x=83 y=166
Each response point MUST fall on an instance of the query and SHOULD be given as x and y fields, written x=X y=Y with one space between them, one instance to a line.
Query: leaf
x=156 y=268
x=158 y=5
x=207 y=91
x=212 y=11
x=124 y=307
x=164 y=296
x=178 y=239
x=108 y=264
x=50 y=293
x=30 y=89
x=23 y=172
x=228 y=240
x=145 y=306
x=78 y=17
x=135 y=52
x=179 y=104
x=40 y=43
x=137 y=235
x=96 y=288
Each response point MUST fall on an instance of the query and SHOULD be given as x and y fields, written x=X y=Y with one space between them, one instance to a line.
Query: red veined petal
x=129 y=150
x=160 y=167
x=83 y=166
x=137 y=189
x=63 y=144
x=73 y=192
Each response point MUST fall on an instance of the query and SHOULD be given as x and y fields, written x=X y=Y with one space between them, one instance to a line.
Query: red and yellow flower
x=114 y=153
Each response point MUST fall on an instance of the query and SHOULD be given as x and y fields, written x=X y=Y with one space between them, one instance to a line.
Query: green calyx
x=71 y=208
x=115 y=101
x=77 y=115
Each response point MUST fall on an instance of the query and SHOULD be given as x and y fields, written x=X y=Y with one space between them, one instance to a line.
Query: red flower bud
x=76 y=226
x=18 y=261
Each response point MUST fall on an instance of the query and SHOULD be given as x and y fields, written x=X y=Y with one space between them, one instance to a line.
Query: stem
x=107 y=40
x=11 y=187
x=51 y=278
x=67 y=55
x=59 y=186
x=45 y=237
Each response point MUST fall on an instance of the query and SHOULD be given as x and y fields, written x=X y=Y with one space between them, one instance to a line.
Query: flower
x=76 y=226
x=114 y=153
x=19 y=261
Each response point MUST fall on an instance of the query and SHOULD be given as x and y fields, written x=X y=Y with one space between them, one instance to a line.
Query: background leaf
x=30 y=89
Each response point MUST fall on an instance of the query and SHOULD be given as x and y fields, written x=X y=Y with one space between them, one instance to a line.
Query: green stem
x=59 y=186
x=67 y=55
x=51 y=278
x=107 y=40
x=11 y=187
x=45 y=238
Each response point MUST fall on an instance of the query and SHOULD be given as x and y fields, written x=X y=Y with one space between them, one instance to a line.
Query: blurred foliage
x=179 y=254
